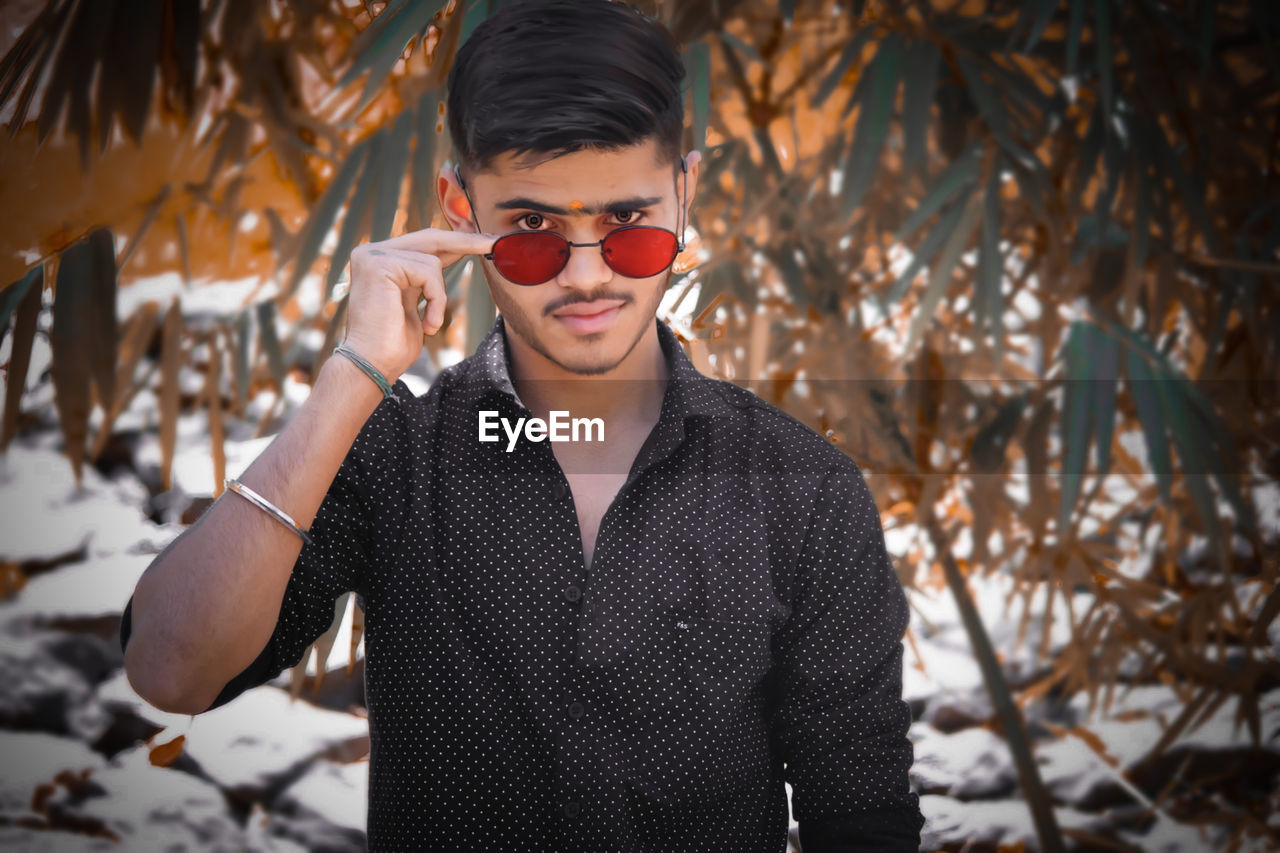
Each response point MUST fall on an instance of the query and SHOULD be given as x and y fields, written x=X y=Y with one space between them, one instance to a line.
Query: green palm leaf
x=876 y=93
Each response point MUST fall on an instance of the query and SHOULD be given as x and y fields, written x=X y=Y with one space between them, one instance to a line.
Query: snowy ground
x=265 y=774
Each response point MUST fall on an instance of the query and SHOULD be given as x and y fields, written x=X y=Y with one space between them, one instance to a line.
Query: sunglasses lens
x=639 y=251
x=530 y=258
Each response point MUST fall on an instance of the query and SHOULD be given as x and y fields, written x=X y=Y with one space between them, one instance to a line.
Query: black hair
x=558 y=76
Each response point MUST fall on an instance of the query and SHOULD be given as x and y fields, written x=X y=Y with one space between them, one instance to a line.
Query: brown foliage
x=1017 y=259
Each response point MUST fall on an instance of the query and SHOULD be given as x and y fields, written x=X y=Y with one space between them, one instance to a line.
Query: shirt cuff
x=884 y=831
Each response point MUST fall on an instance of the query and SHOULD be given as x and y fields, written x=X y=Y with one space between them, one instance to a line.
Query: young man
x=612 y=643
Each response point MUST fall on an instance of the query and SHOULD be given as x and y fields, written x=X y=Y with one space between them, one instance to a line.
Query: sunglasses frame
x=684 y=169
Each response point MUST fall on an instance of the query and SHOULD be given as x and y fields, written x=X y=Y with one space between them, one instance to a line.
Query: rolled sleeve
x=840 y=720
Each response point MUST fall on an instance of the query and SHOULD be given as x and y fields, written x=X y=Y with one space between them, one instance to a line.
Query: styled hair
x=558 y=76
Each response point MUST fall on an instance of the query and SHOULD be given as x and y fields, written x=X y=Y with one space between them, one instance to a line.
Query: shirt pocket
x=722 y=663
x=715 y=740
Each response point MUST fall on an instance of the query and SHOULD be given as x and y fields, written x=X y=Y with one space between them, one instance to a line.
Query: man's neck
x=629 y=394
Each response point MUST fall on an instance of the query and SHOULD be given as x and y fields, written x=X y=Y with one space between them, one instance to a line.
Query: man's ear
x=453 y=201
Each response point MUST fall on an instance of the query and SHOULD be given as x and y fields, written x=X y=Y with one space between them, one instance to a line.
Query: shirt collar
x=689 y=393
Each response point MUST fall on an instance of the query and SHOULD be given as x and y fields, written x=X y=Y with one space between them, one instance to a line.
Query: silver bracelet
x=278 y=514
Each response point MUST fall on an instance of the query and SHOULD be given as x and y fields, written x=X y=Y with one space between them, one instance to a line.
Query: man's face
x=583 y=196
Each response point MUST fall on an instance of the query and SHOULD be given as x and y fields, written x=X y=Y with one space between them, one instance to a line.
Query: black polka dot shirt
x=740 y=624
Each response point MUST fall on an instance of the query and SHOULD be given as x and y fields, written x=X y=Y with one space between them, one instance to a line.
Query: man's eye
x=627 y=216
x=530 y=220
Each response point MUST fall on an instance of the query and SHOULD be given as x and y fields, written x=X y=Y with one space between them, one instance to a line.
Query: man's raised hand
x=387 y=280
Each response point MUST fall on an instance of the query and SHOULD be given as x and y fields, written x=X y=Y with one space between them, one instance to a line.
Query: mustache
x=595 y=297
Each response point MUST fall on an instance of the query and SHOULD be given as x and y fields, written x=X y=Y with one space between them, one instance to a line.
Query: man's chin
x=584 y=355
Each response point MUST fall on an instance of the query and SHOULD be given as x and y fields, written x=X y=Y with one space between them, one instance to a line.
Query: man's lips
x=590 y=318
x=586 y=309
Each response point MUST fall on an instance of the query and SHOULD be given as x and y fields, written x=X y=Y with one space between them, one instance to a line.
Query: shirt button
x=572 y=808
x=576 y=710
x=559 y=491
x=572 y=593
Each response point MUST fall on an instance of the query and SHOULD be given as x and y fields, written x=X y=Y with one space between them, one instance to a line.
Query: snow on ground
x=67 y=705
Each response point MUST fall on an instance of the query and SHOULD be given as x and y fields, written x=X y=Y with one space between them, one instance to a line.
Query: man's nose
x=586 y=268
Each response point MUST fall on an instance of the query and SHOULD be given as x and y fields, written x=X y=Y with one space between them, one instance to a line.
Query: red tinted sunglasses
x=535 y=257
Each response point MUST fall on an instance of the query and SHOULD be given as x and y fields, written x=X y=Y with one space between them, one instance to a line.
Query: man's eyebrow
x=611 y=207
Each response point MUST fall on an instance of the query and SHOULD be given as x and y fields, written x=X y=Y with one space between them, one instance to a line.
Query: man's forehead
x=565 y=187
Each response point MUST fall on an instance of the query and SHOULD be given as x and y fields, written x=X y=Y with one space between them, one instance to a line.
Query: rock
x=955 y=711
x=1134 y=724
x=51 y=841
x=326 y=809
x=1138 y=715
x=124 y=730
x=1158 y=705
x=1074 y=774
x=971 y=764
x=949 y=667
x=32 y=759
x=49 y=678
x=77 y=594
x=943 y=676
x=262 y=740
x=1169 y=836
x=95 y=659
x=151 y=808
x=259 y=834
x=1006 y=824
x=54 y=518
x=40 y=692
x=254 y=745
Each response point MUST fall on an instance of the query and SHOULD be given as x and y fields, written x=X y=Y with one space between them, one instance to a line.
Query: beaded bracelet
x=368 y=368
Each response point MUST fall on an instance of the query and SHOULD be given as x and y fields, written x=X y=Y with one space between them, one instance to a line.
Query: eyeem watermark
x=559 y=428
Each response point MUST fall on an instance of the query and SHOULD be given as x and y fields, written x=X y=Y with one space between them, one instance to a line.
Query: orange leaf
x=902 y=508
x=166 y=753
x=12 y=579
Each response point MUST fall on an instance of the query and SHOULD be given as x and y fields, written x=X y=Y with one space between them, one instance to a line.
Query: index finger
x=447 y=245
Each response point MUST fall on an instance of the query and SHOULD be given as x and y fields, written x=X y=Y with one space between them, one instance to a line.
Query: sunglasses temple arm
x=684 y=171
x=471 y=208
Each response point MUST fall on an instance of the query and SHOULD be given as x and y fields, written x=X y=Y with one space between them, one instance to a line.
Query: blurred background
x=1019 y=260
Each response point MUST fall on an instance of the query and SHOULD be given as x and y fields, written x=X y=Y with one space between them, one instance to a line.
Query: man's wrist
x=350 y=383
